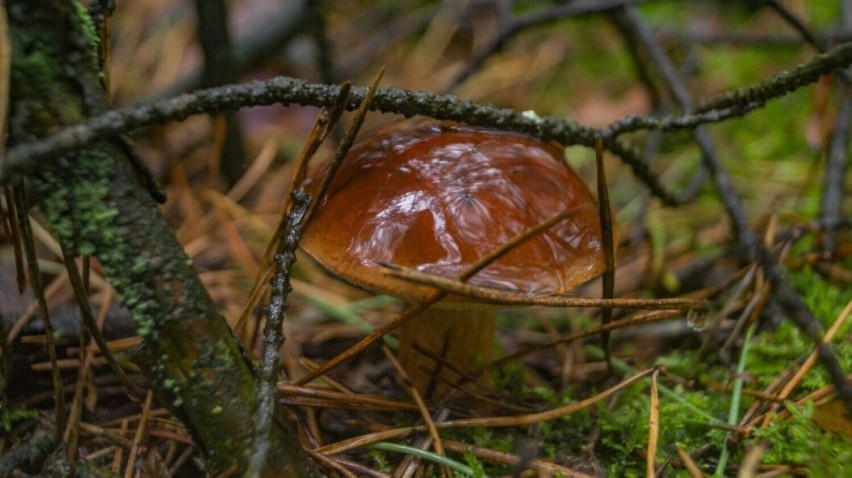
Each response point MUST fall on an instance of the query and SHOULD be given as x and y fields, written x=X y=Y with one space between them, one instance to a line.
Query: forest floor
x=739 y=390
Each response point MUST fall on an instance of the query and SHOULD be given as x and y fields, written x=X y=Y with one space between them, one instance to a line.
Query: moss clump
x=87 y=27
x=772 y=353
x=76 y=202
x=624 y=430
x=799 y=440
x=11 y=416
x=474 y=464
x=77 y=208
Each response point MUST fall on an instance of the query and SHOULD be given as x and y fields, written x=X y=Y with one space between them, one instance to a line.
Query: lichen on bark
x=93 y=203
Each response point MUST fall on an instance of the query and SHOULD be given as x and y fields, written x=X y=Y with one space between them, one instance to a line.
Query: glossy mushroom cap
x=437 y=198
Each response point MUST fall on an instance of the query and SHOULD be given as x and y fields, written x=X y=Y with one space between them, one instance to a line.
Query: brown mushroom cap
x=437 y=198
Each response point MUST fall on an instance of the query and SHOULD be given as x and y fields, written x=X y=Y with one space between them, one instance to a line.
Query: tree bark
x=94 y=204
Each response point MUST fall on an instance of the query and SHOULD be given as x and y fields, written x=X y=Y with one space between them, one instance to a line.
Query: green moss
x=510 y=378
x=11 y=416
x=85 y=25
x=772 y=353
x=139 y=265
x=77 y=207
x=495 y=439
x=822 y=14
x=624 y=430
x=800 y=441
x=34 y=73
x=92 y=202
x=224 y=353
x=825 y=299
x=474 y=464
x=380 y=460
x=33 y=70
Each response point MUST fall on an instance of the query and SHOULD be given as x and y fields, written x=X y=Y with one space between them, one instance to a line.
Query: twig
x=631 y=123
x=394 y=28
x=22 y=217
x=12 y=228
x=784 y=293
x=752 y=458
x=346 y=142
x=689 y=463
x=508 y=297
x=638 y=32
x=272 y=337
x=806 y=34
x=831 y=201
x=782 y=82
x=794 y=306
x=653 y=427
x=299 y=212
x=639 y=319
x=5 y=75
x=139 y=436
x=264 y=41
x=809 y=362
x=531 y=20
x=545 y=468
x=747 y=38
x=343 y=399
x=89 y=321
x=411 y=390
x=317 y=28
x=488 y=422
x=796 y=23
x=756 y=303
x=715 y=323
x=24 y=159
x=329 y=462
x=219 y=69
x=326 y=120
x=607 y=243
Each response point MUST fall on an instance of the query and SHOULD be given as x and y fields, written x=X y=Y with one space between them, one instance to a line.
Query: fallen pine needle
x=488 y=422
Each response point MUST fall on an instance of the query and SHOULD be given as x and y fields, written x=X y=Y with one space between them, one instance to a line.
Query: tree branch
x=25 y=158
x=93 y=203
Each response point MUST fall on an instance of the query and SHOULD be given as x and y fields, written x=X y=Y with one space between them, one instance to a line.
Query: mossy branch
x=93 y=202
x=24 y=159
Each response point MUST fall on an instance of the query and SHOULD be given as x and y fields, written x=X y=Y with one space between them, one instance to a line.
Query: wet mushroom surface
x=437 y=198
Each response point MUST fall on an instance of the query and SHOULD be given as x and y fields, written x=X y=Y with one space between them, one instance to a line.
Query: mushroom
x=438 y=197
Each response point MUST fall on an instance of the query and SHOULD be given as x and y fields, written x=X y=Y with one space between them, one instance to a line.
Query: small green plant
x=799 y=440
x=380 y=460
x=10 y=416
x=474 y=464
x=788 y=346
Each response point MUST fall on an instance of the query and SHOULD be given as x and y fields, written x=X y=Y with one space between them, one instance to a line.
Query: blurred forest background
x=739 y=394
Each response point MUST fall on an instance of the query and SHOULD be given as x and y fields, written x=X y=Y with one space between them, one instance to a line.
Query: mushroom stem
x=462 y=336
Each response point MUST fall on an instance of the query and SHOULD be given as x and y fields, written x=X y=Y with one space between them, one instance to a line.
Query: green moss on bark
x=93 y=203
